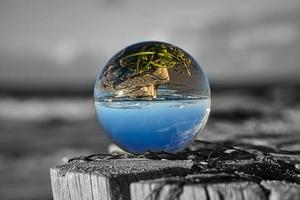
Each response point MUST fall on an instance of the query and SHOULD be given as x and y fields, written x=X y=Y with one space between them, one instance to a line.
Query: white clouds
x=276 y=34
x=65 y=52
x=67 y=41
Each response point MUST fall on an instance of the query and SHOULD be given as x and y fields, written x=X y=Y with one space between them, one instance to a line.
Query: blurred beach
x=39 y=133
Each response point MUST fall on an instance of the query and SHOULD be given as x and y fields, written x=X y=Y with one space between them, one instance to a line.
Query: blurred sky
x=62 y=44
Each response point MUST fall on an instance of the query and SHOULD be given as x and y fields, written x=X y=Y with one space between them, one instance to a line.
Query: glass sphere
x=152 y=96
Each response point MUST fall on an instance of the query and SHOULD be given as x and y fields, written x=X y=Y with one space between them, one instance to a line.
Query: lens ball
x=152 y=96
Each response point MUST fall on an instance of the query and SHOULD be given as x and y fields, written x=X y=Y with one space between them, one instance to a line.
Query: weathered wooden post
x=109 y=179
x=203 y=171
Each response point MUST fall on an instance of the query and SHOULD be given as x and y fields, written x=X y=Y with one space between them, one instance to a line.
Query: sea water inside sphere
x=152 y=96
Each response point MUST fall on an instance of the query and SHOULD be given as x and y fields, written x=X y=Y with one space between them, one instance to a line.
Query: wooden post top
x=203 y=171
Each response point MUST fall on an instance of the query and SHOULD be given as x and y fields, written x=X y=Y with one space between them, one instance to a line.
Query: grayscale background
x=51 y=52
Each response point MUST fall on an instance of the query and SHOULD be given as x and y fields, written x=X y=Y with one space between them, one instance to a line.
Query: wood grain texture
x=217 y=191
x=109 y=179
x=281 y=190
x=202 y=171
x=197 y=187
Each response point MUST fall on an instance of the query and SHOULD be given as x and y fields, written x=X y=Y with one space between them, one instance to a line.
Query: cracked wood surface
x=202 y=171
x=109 y=178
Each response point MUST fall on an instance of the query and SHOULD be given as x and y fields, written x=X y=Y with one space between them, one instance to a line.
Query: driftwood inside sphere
x=135 y=85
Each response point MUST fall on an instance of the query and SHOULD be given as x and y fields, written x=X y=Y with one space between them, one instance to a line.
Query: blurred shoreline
x=50 y=127
x=86 y=90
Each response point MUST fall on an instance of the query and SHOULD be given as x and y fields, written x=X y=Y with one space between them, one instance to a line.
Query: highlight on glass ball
x=152 y=96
